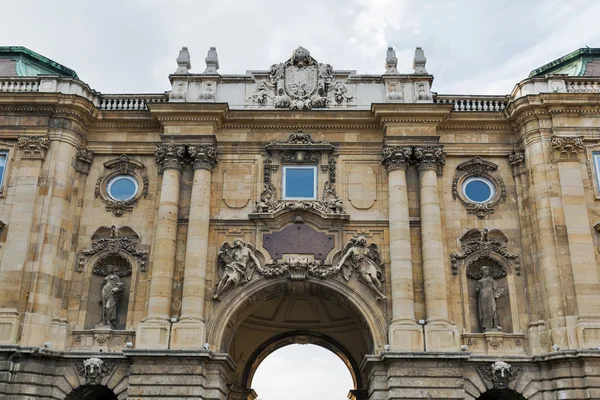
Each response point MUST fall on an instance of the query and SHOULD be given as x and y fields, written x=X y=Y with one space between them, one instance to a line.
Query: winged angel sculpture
x=237 y=264
x=365 y=261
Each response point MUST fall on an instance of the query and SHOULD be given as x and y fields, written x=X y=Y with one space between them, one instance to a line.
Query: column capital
x=396 y=157
x=430 y=158
x=34 y=147
x=567 y=148
x=203 y=157
x=516 y=161
x=169 y=156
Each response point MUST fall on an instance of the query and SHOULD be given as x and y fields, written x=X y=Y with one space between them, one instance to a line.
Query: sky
x=472 y=46
x=300 y=372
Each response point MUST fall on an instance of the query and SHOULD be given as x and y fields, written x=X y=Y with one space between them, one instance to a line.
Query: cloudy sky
x=472 y=46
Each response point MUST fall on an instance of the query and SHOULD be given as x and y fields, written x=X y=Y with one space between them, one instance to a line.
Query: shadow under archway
x=501 y=394
x=92 y=392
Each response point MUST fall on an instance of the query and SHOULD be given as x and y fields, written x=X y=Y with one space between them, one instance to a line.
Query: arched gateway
x=162 y=245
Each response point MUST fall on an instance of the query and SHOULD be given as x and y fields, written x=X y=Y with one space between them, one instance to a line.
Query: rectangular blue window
x=596 y=157
x=3 y=157
x=299 y=182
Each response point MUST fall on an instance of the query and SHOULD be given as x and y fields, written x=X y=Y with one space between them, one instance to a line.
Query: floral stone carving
x=567 y=148
x=500 y=373
x=111 y=241
x=34 y=147
x=94 y=370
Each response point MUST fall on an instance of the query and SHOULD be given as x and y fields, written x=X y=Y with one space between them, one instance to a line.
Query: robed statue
x=488 y=292
x=365 y=261
x=237 y=264
x=112 y=289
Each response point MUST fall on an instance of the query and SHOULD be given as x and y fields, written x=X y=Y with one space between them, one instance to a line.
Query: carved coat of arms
x=301 y=82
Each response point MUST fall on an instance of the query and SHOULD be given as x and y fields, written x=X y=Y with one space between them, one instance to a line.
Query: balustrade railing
x=19 y=85
x=473 y=103
x=580 y=86
x=130 y=102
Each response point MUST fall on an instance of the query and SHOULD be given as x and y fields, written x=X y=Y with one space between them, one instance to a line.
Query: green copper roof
x=582 y=62
x=20 y=61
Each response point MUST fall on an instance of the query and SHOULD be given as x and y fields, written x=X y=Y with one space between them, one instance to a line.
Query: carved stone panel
x=362 y=186
x=298 y=239
x=237 y=185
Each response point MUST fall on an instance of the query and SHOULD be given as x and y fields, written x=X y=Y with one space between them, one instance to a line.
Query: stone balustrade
x=130 y=102
x=473 y=103
x=582 y=86
x=19 y=85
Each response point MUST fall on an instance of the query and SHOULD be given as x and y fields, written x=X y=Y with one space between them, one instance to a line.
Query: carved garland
x=476 y=245
x=122 y=165
x=481 y=168
x=111 y=241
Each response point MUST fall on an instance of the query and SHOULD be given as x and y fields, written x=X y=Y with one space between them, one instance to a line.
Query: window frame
x=7 y=149
x=596 y=172
x=292 y=167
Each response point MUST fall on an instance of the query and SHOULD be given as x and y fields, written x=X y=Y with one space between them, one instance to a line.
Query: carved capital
x=83 y=161
x=34 y=147
x=396 y=157
x=203 y=157
x=430 y=158
x=169 y=157
x=567 y=148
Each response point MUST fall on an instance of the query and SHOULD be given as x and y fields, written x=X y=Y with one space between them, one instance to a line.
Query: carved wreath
x=481 y=168
x=122 y=165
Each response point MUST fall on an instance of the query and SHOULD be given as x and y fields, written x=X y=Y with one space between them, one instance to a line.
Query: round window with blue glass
x=122 y=187
x=478 y=189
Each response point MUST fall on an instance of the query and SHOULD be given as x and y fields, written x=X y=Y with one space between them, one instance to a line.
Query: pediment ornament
x=477 y=245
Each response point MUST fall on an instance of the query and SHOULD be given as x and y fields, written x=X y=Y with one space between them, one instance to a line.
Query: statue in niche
x=488 y=292
x=366 y=261
x=236 y=265
x=112 y=289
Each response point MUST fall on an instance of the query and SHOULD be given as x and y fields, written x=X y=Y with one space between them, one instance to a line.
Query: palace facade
x=162 y=245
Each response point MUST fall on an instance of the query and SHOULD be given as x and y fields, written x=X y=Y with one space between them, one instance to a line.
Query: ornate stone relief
x=516 y=161
x=238 y=264
x=83 y=161
x=169 y=156
x=93 y=370
x=499 y=373
x=479 y=244
x=111 y=241
x=34 y=147
x=341 y=93
x=203 y=157
x=123 y=165
x=478 y=167
x=299 y=148
x=567 y=148
x=394 y=92
x=430 y=158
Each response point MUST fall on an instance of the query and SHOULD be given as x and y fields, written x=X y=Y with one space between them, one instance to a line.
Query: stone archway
x=500 y=394
x=266 y=315
x=92 y=392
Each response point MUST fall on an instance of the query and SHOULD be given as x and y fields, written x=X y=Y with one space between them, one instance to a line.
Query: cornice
x=190 y=113
x=304 y=119
x=429 y=113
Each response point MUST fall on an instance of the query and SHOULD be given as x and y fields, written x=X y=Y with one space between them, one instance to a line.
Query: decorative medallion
x=123 y=186
x=477 y=188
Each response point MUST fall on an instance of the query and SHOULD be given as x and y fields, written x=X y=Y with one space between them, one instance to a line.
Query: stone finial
x=212 y=61
x=391 y=61
x=419 y=62
x=184 y=64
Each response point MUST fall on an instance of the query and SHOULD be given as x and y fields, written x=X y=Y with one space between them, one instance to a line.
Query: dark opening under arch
x=501 y=394
x=92 y=392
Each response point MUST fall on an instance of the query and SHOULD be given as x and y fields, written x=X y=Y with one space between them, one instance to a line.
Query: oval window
x=122 y=188
x=478 y=190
